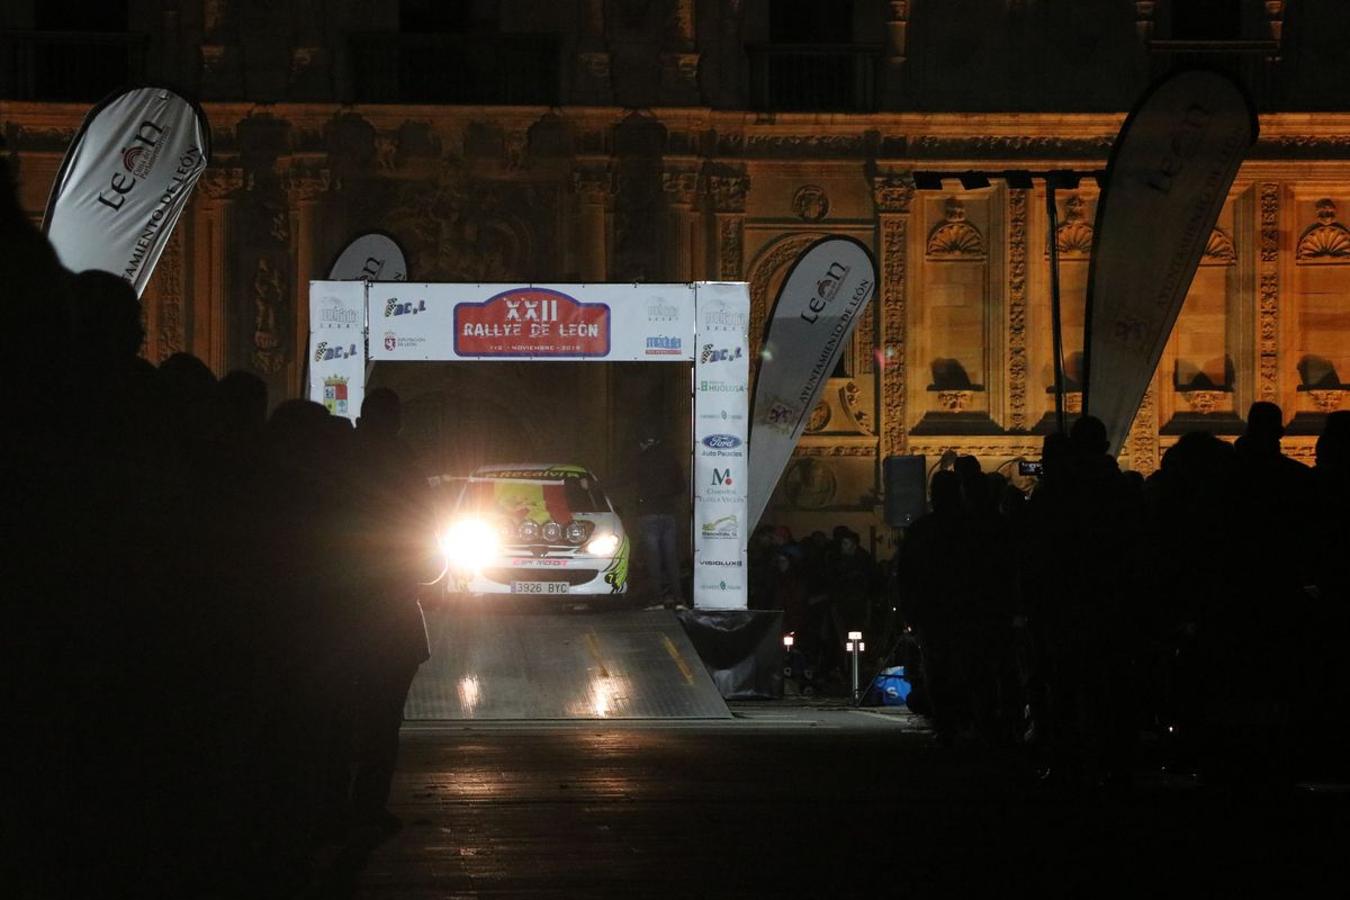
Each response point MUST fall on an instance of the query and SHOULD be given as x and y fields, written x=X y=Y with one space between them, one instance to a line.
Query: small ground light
x=854 y=645
x=788 y=641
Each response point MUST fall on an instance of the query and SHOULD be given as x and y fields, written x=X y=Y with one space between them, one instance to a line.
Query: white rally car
x=534 y=529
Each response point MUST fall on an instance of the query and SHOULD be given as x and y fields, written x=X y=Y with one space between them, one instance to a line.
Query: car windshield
x=520 y=498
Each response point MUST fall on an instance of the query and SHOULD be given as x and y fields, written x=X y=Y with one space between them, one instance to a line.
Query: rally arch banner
x=703 y=324
x=125 y=181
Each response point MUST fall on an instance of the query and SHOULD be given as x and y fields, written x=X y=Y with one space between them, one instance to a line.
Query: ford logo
x=721 y=441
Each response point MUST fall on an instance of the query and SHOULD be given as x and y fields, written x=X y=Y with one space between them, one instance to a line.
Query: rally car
x=534 y=529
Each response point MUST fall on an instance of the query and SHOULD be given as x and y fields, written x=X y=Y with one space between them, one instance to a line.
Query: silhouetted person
x=660 y=488
x=1266 y=525
x=399 y=527
x=938 y=596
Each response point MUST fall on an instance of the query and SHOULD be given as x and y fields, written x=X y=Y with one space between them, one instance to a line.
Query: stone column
x=897 y=50
x=591 y=185
x=591 y=82
x=1268 y=296
x=222 y=74
x=892 y=195
x=1018 y=364
x=679 y=59
x=304 y=187
x=211 y=254
x=681 y=189
x=727 y=193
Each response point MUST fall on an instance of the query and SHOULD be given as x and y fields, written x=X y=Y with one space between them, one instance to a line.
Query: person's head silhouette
x=1088 y=436
x=381 y=413
x=945 y=491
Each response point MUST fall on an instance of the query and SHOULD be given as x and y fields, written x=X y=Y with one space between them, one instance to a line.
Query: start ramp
x=499 y=664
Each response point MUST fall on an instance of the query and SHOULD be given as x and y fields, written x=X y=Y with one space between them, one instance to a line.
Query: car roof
x=530 y=472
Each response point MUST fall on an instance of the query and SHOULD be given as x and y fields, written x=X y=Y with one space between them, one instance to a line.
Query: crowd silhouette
x=210 y=613
x=1199 y=606
x=1199 y=609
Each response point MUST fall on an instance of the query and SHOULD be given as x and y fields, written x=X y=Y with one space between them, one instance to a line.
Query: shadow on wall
x=1318 y=372
x=1187 y=375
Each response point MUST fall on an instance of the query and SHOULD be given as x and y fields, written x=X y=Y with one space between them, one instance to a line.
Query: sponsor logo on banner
x=711 y=353
x=334 y=312
x=723 y=416
x=722 y=528
x=721 y=387
x=657 y=311
x=661 y=345
x=781 y=417
x=137 y=159
x=323 y=352
x=532 y=322
x=396 y=307
x=721 y=442
x=721 y=563
x=721 y=586
x=390 y=341
x=335 y=395
x=723 y=320
x=721 y=477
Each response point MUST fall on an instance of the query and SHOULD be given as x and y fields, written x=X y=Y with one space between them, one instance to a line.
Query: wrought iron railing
x=504 y=69
x=68 y=65
x=814 y=78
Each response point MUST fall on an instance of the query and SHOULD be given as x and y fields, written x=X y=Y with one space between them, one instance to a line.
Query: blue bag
x=892 y=686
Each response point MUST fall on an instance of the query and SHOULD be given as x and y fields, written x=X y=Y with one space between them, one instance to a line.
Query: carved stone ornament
x=220 y=183
x=1219 y=249
x=269 y=352
x=1327 y=400
x=893 y=193
x=810 y=203
x=820 y=418
x=1073 y=237
x=1268 y=308
x=728 y=192
x=1202 y=402
x=850 y=396
x=1327 y=240
x=954 y=236
x=1073 y=402
x=1017 y=310
x=955 y=401
x=810 y=484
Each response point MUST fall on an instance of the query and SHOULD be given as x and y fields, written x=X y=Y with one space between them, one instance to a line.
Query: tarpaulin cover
x=742 y=650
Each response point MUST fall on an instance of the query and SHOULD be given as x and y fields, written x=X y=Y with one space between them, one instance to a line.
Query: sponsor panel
x=337 y=346
x=721 y=371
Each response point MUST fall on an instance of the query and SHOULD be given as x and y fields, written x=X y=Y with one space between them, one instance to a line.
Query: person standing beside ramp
x=397 y=544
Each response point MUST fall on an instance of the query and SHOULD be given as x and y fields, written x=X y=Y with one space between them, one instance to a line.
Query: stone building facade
x=616 y=140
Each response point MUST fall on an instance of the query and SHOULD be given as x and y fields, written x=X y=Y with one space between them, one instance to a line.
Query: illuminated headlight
x=470 y=544
x=604 y=545
x=553 y=532
x=576 y=533
x=529 y=530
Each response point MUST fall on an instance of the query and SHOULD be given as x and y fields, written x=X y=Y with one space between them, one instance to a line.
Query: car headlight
x=553 y=532
x=576 y=533
x=470 y=544
x=528 y=530
x=603 y=545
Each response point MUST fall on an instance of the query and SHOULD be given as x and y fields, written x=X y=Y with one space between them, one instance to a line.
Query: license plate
x=538 y=587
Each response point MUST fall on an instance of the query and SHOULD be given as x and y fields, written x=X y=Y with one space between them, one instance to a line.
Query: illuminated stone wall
x=955 y=354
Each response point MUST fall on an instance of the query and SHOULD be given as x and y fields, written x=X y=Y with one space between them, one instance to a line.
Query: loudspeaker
x=905 y=481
